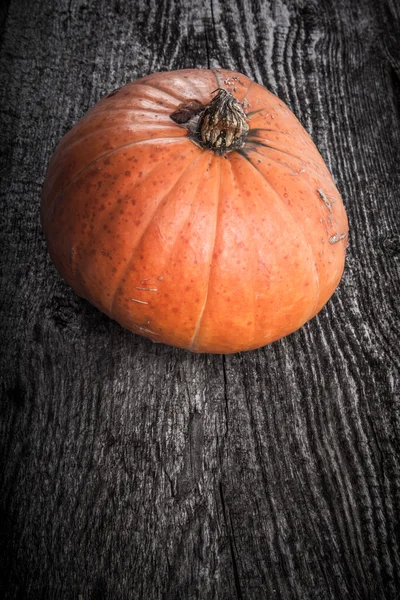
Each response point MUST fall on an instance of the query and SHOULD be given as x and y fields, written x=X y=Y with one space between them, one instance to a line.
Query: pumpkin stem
x=222 y=125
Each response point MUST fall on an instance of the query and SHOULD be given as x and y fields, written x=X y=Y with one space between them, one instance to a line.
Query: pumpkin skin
x=212 y=252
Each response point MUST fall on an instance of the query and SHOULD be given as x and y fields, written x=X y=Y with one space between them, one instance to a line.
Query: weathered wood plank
x=134 y=470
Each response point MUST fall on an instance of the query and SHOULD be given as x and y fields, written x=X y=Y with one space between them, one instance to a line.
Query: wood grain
x=132 y=470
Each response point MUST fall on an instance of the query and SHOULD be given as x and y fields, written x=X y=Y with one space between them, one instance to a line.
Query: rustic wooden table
x=132 y=470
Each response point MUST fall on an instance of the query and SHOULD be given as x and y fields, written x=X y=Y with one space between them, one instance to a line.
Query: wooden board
x=132 y=470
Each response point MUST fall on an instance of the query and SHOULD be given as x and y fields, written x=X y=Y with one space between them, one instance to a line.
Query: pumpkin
x=194 y=209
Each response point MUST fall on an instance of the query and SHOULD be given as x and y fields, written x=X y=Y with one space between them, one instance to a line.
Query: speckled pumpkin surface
x=209 y=250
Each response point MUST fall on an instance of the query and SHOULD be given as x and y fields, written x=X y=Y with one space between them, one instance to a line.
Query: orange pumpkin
x=194 y=209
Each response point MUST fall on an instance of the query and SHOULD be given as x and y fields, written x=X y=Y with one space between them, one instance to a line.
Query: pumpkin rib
x=269 y=129
x=335 y=218
x=99 y=129
x=177 y=250
x=137 y=85
x=255 y=112
x=314 y=163
x=112 y=210
x=250 y=238
x=200 y=92
x=166 y=103
x=268 y=147
x=305 y=182
x=251 y=131
x=287 y=211
x=110 y=109
x=288 y=168
x=104 y=155
x=162 y=200
x=253 y=137
x=258 y=110
x=285 y=166
x=162 y=89
x=271 y=102
x=193 y=343
x=135 y=123
x=91 y=119
x=151 y=97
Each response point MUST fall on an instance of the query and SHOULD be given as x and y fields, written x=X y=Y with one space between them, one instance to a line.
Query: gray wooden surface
x=132 y=470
